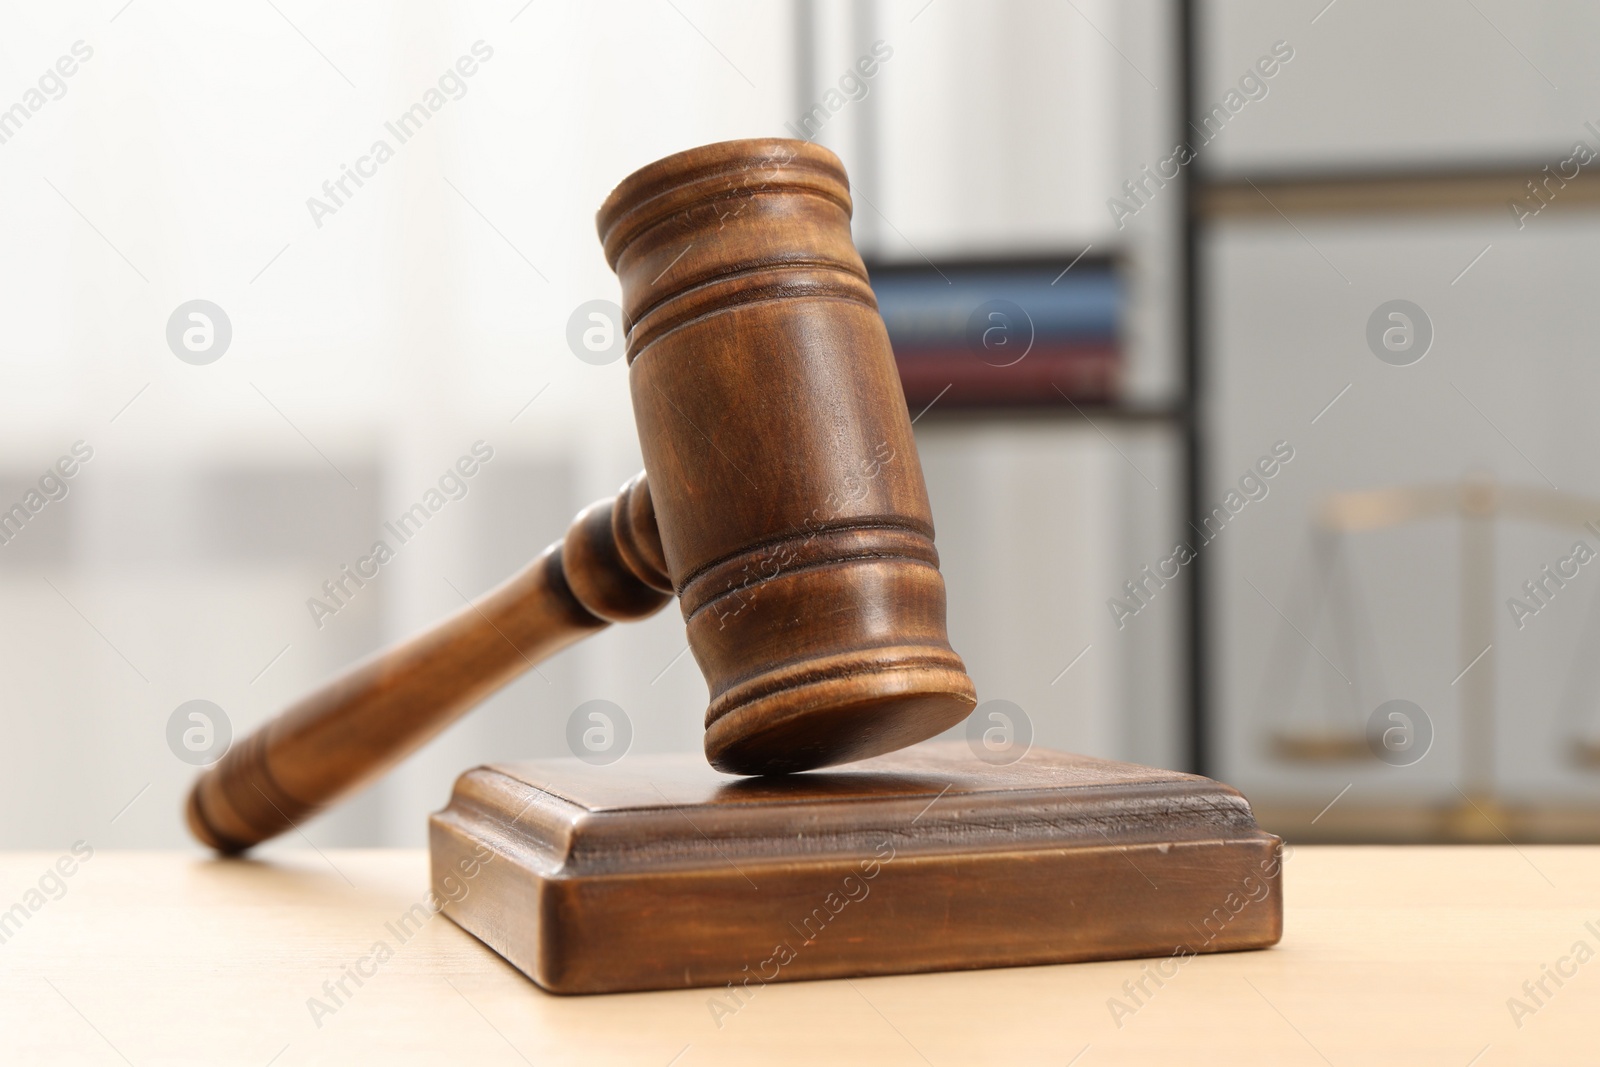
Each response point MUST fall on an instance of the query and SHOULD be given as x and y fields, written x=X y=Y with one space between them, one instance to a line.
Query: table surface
x=1390 y=955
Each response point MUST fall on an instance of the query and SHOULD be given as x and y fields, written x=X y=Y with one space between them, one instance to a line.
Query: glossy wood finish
x=607 y=569
x=659 y=873
x=785 y=506
x=794 y=519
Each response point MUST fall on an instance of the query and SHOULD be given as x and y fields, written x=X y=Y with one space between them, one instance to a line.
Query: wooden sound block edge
x=714 y=893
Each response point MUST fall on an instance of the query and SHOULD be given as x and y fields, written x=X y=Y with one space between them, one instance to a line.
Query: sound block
x=658 y=872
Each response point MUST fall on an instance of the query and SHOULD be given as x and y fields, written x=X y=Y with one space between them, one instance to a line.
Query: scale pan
x=1586 y=751
x=1321 y=746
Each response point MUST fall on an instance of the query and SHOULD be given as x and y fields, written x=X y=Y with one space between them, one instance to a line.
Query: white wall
x=392 y=337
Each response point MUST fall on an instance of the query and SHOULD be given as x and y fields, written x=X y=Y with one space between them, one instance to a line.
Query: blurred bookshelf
x=1389 y=189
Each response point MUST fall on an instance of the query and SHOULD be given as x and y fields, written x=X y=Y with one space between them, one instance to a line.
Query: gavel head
x=784 y=478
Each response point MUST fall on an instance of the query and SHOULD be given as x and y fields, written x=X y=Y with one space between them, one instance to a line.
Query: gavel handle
x=608 y=568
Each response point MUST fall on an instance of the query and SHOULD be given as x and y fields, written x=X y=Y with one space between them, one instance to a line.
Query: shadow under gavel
x=784 y=505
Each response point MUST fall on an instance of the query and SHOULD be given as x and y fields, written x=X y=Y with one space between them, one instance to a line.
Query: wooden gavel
x=784 y=504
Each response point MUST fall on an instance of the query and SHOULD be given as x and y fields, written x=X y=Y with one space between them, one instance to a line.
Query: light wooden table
x=1391 y=955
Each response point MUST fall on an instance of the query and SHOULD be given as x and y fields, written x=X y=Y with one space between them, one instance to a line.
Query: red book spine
x=1086 y=373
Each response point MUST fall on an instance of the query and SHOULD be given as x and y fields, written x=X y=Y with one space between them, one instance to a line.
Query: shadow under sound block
x=660 y=873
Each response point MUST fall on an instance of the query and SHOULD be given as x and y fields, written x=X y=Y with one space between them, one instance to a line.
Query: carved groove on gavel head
x=793 y=517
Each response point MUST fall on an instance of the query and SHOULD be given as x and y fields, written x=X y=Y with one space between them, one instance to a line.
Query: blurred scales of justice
x=1477 y=814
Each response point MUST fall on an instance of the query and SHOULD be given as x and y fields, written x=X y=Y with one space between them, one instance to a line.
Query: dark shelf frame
x=1042 y=261
x=1481 y=188
x=1191 y=419
x=1057 y=410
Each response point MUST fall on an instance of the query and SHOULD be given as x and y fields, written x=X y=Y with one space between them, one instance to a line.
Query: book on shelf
x=991 y=333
